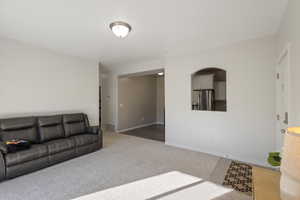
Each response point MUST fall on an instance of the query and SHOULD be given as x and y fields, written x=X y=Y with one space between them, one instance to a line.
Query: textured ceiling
x=160 y=27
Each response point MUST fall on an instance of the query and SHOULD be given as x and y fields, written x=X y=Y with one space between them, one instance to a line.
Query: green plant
x=274 y=159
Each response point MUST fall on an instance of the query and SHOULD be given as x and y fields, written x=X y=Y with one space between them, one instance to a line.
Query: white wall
x=137 y=101
x=247 y=130
x=289 y=32
x=38 y=81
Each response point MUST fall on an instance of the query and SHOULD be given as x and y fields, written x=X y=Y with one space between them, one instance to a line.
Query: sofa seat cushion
x=56 y=146
x=35 y=152
x=85 y=139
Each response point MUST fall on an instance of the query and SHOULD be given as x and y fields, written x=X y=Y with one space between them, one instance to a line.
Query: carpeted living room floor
x=123 y=159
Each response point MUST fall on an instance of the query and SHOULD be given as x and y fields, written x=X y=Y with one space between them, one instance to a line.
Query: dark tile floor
x=154 y=132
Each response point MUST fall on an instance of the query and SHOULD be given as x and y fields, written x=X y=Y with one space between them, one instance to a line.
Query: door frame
x=116 y=103
x=285 y=53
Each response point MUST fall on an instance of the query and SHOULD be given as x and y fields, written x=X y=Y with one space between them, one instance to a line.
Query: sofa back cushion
x=50 y=128
x=19 y=128
x=74 y=124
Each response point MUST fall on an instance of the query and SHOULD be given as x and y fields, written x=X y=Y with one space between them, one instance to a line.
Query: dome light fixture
x=120 y=29
x=160 y=73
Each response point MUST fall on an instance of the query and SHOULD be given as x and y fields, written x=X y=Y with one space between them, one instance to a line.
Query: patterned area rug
x=239 y=177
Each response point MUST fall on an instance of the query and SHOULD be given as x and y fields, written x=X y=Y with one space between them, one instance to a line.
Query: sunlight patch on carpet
x=171 y=185
x=204 y=191
x=145 y=188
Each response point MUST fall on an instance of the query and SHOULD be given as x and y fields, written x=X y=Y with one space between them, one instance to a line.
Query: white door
x=282 y=100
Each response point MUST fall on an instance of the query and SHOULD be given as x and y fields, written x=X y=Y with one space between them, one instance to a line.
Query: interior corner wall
x=289 y=33
x=39 y=81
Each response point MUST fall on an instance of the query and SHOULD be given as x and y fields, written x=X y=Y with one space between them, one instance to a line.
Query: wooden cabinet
x=265 y=184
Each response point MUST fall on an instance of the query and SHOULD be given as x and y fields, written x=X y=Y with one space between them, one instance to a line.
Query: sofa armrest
x=94 y=130
x=2 y=168
x=3 y=148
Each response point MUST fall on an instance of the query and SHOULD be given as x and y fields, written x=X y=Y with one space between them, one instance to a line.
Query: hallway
x=153 y=132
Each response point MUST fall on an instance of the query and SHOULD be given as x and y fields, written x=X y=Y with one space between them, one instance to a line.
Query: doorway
x=100 y=107
x=282 y=97
x=141 y=105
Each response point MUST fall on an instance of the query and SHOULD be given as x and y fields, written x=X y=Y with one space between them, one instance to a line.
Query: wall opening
x=209 y=90
x=141 y=105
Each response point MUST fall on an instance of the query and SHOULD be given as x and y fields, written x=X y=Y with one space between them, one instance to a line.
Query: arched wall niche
x=209 y=90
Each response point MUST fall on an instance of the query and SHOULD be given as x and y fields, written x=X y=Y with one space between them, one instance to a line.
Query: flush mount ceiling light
x=120 y=29
x=160 y=73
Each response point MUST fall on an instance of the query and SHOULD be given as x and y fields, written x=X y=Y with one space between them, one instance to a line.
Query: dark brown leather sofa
x=54 y=139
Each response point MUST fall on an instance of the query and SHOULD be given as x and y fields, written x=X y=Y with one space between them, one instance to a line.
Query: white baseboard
x=108 y=127
x=230 y=157
x=136 y=127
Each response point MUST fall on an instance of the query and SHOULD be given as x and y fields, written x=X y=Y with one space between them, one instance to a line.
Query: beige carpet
x=123 y=160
